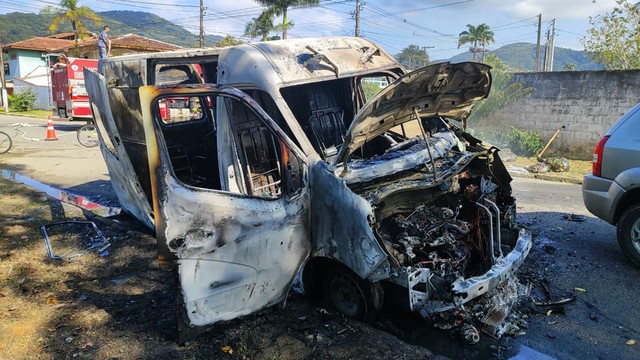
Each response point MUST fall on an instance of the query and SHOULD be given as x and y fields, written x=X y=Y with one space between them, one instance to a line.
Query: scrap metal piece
x=563 y=301
x=96 y=242
x=470 y=334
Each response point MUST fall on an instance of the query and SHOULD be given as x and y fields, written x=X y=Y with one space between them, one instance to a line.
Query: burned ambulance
x=263 y=165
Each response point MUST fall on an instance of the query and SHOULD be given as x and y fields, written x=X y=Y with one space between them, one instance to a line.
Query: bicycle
x=88 y=136
x=5 y=142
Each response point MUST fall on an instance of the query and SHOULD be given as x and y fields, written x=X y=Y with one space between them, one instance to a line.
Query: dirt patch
x=121 y=304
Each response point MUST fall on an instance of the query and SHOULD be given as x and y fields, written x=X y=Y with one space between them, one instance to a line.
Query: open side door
x=124 y=180
x=240 y=227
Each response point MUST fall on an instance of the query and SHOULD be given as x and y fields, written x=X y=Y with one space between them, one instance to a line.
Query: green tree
x=503 y=90
x=570 y=67
x=228 y=41
x=614 y=38
x=370 y=89
x=476 y=36
x=260 y=26
x=413 y=57
x=69 y=10
x=280 y=7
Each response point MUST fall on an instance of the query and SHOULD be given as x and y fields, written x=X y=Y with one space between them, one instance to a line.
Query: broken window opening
x=258 y=150
x=325 y=111
x=269 y=106
x=189 y=131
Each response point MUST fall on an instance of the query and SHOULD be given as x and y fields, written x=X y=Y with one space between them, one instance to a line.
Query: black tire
x=5 y=142
x=349 y=294
x=629 y=234
x=88 y=136
x=62 y=113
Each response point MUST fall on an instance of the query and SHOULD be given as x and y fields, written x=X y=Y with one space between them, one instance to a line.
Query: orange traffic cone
x=51 y=132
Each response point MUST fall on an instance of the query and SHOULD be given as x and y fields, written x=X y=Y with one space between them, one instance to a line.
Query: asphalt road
x=63 y=163
x=569 y=258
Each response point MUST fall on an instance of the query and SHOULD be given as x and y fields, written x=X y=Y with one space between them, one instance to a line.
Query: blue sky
x=393 y=24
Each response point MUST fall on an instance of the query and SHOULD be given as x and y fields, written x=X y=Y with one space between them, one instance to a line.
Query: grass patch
x=34 y=113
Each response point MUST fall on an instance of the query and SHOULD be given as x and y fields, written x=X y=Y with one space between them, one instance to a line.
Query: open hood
x=443 y=89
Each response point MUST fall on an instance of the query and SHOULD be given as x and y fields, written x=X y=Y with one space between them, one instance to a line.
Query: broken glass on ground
x=72 y=238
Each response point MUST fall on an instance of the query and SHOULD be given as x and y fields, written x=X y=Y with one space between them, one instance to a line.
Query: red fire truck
x=69 y=95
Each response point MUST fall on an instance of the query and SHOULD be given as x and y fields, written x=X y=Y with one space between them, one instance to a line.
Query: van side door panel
x=238 y=250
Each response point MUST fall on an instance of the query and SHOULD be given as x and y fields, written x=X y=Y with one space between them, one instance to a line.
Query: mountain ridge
x=521 y=56
x=19 y=26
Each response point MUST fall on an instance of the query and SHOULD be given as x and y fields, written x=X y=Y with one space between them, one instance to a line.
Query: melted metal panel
x=126 y=183
x=236 y=254
x=340 y=226
x=465 y=290
x=394 y=162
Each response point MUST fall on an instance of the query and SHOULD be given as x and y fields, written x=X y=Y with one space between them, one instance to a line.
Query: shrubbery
x=23 y=100
x=521 y=142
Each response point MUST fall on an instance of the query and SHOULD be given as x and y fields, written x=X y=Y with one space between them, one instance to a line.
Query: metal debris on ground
x=573 y=217
x=73 y=238
x=563 y=301
x=517 y=168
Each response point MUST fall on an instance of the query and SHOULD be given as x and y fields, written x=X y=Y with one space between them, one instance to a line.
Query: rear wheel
x=5 y=142
x=88 y=136
x=62 y=112
x=629 y=234
x=351 y=295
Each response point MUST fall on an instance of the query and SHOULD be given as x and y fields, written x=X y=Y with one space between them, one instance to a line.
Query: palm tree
x=475 y=36
x=280 y=7
x=260 y=26
x=69 y=10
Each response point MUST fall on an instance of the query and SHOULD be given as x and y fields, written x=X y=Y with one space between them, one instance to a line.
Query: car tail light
x=596 y=168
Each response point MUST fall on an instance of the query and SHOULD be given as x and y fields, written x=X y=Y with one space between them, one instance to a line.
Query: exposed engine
x=462 y=233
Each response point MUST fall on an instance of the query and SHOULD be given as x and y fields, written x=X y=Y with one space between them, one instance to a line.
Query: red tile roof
x=45 y=44
x=68 y=35
x=128 y=41
x=133 y=41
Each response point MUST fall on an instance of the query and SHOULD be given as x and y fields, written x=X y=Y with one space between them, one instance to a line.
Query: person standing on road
x=103 y=43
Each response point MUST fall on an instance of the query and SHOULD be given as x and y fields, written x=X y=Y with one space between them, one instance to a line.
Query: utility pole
x=201 y=37
x=3 y=83
x=357 y=18
x=538 y=43
x=426 y=55
x=549 y=47
x=356 y=15
x=553 y=44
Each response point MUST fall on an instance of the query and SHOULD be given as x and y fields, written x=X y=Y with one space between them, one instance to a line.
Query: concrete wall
x=586 y=102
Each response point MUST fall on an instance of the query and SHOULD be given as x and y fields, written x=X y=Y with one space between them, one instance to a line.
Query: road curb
x=25 y=115
x=546 y=177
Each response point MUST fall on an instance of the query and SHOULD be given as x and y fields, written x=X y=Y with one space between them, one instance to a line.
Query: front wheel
x=351 y=295
x=5 y=142
x=629 y=234
x=88 y=136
